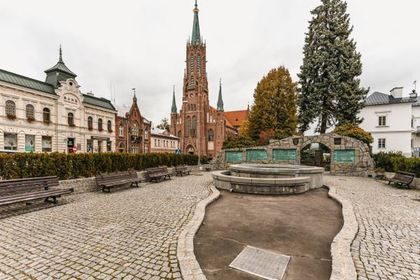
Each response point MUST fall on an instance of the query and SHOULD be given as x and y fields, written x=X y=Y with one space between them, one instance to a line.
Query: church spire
x=61 y=56
x=196 y=37
x=220 y=99
x=173 y=109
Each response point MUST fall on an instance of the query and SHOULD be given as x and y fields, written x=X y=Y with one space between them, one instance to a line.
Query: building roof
x=60 y=66
x=162 y=134
x=379 y=98
x=26 y=82
x=236 y=118
x=98 y=101
x=196 y=37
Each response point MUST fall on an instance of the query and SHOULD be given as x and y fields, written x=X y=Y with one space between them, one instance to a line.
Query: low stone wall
x=84 y=185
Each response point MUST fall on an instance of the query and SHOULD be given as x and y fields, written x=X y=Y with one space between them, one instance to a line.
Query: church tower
x=195 y=98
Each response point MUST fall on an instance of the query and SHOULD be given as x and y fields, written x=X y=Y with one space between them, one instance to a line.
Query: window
x=382 y=121
x=30 y=112
x=381 y=143
x=179 y=134
x=109 y=126
x=70 y=119
x=10 y=141
x=29 y=143
x=188 y=126
x=90 y=123
x=194 y=126
x=46 y=144
x=108 y=146
x=89 y=146
x=100 y=127
x=121 y=131
x=146 y=134
x=10 y=109
x=210 y=135
x=46 y=115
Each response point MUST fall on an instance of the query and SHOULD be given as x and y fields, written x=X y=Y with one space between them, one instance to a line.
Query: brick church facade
x=201 y=128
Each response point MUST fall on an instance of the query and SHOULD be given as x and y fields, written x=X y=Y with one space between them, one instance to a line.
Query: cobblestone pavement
x=387 y=245
x=129 y=234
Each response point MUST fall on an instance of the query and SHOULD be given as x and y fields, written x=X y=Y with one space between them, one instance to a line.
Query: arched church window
x=210 y=135
x=194 y=126
x=198 y=64
x=188 y=130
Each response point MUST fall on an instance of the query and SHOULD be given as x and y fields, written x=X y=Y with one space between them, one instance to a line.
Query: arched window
x=90 y=123
x=179 y=134
x=198 y=64
x=194 y=126
x=70 y=119
x=121 y=130
x=30 y=112
x=109 y=126
x=46 y=115
x=188 y=131
x=210 y=135
x=100 y=126
x=10 y=109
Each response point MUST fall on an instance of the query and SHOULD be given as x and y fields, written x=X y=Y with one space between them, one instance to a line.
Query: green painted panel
x=344 y=156
x=232 y=156
x=284 y=154
x=256 y=155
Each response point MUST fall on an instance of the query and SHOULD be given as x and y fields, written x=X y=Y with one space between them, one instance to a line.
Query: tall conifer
x=330 y=86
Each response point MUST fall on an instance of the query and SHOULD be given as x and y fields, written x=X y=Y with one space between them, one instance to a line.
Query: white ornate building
x=53 y=116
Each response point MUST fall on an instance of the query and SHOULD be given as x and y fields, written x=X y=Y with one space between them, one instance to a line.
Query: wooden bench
x=158 y=173
x=114 y=179
x=181 y=170
x=401 y=179
x=29 y=189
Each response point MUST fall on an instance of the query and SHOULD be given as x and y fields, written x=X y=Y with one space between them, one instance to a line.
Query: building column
x=21 y=142
x=38 y=143
x=1 y=139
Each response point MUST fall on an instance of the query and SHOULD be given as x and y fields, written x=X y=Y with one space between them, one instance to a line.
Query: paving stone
x=387 y=243
x=128 y=234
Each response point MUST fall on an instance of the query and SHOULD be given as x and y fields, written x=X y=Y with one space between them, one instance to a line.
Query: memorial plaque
x=232 y=156
x=344 y=156
x=284 y=154
x=261 y=263
x=256 y=155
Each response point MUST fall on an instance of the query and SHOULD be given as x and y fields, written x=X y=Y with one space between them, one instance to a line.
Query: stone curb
x=190 y=268
x=342 y=262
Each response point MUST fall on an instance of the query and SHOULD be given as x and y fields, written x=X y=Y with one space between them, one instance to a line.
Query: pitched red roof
x=236 y=118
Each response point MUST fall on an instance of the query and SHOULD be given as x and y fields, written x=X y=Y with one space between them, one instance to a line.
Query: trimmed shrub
x=71 y=166
x=393 y=162
x=354 y=131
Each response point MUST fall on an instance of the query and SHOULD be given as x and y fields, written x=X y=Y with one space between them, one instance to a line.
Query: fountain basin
x=272 y=179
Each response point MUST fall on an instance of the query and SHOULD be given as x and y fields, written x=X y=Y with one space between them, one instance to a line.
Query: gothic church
x=200 y=127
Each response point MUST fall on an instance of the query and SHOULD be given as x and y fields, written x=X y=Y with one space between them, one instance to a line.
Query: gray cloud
x=114 y=46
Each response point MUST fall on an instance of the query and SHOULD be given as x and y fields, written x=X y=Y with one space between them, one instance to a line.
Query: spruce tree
x=330 y=86
x=275 y=106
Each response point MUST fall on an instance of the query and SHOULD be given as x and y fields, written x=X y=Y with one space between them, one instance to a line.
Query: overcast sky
x=114 y=46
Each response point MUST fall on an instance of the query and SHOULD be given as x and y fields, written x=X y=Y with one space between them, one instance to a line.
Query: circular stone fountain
x=269 y=178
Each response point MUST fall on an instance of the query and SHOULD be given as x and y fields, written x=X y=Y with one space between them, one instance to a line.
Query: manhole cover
x=262 y=263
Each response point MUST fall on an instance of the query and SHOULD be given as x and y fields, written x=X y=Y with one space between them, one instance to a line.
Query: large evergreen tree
x=275 y=106
x=330 y=86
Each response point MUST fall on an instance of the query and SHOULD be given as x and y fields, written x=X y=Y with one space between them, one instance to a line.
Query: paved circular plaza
x=133 y=233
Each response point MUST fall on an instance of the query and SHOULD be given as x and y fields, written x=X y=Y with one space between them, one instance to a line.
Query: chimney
x=397 y=92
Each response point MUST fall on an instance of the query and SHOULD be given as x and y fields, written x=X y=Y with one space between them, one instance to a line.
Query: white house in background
x=164 y=142
x=394 y=121
x=53 y=116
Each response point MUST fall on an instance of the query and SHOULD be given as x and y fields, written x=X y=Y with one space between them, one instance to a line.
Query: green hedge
x=71 y=166
x=393 y=162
